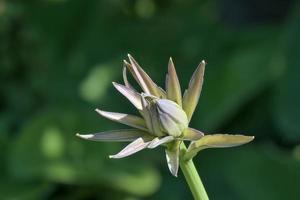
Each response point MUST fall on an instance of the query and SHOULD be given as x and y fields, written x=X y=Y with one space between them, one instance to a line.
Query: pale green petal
x=125 y=79
x=192 y=134
x=135 y=146
x=146 y=83
x=192 y=94
x=172 y=84
x=216 y=141
x=146 y=114
x=172 y=155
x=156 y=125
x=169 y=125
x=157 y=141
x=130 y=94
x=130 y=120
x=174 y=110
x=150 y=115
x=162 y=93
x=172 y=118
x=123 y=135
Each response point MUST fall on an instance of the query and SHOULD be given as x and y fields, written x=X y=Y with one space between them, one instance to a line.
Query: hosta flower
x=164 y=119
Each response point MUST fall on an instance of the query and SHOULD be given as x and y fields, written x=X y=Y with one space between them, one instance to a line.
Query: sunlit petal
x=192 y=134
x=172 y=155
x=192 y=94
x=130 y=120
x=172 y=84
x=130 y=94
x=216 y=141
x=125 y=79
x=123 y=135
x=146 y=83
x=146 y=114
x=135 y=146
x=157 y=141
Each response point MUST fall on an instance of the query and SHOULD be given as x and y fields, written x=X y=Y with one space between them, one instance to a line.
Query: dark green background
x=59 y=57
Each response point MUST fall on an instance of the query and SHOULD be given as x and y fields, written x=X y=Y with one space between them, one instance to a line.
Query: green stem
x=192 y=177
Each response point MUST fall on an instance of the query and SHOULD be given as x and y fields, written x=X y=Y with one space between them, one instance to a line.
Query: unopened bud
x=172 y=118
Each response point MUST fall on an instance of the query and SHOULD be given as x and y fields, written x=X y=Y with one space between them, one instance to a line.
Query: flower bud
x=172 y=118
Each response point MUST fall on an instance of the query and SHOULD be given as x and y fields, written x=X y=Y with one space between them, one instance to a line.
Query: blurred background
x=59 y=57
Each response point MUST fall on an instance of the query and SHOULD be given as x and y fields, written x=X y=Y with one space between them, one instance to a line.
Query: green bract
x=165 y=117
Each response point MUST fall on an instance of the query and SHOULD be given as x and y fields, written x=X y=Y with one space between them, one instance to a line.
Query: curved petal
x=173 y=85
x=156 y=141
x=172 y=155
x=216 y=141
x=192 y=134
x=130 y=94
x=123 y=135
x=146 y=114
x=135 y=146
x=125 y=79
x=143 y=79
x=130 y=120
x=192 y=94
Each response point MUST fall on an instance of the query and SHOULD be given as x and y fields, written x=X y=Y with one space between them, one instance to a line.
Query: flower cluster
x=165 y=117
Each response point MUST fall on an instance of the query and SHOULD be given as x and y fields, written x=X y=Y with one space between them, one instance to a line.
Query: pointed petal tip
x=171 y=63
x=87 y=136
x=100 y=112
x=125 y=62
x=131 y=60
x=114 y=156
x=129 y=56
x=115 y=84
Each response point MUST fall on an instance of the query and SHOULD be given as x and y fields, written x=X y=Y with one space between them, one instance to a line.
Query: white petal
x=130 y=120
x=156 y=141
x=172 y=156
x=123 y=135
x=192 y=94
x=130 y=94
x=135 y=146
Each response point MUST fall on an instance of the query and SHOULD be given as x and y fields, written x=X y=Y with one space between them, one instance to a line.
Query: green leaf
x=192 y=94
x=130 y=120
x=173 y=85
x=124 y=135
x=216 y=141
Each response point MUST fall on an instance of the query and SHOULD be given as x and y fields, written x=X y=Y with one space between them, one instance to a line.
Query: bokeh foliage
x=57 y=61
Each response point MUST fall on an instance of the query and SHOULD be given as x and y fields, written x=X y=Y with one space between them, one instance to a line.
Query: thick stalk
x=192 y=177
